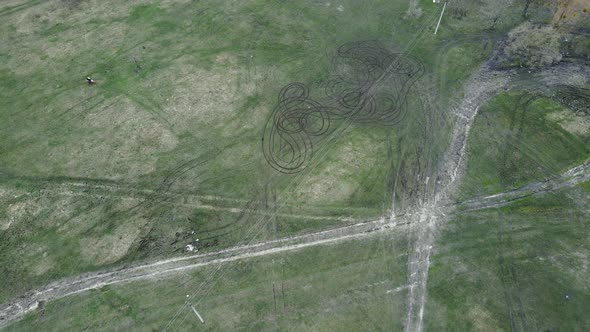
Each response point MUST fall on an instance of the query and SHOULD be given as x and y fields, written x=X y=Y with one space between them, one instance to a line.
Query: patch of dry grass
x=578 y=124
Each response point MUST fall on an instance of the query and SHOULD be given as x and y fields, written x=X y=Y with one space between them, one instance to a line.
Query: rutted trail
x=20 y=306
x=422 y=222
x=567 y=179
x=482 y=86
x=192 y=200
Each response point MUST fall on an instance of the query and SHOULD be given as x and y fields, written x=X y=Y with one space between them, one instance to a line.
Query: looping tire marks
x=288 y=136
x=573 y=97
x=360 y=70
x=368 y=84
x=576 y=98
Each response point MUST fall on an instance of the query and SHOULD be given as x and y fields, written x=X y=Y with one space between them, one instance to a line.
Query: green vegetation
x=169 y=142
x=349 y=286
x=524 y=266
x=585 y=186
x=518 y=138
x=460 y=55
x=93 y=176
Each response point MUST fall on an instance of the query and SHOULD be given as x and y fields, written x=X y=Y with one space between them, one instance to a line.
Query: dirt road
x=482 y=86
x=436 y=209
x=66 y=287
x=423 y=222
x=567 y=179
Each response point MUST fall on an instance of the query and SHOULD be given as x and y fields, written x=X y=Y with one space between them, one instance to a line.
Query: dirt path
x=192 y=200
x=481 y=87
x=567 y=179
x=66 y=287
x=422 y=222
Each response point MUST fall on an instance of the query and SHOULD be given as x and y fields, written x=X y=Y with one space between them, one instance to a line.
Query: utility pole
x=440 y=18
x=197 y=313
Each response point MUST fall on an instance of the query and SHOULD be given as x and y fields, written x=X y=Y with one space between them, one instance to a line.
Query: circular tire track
x=576 y=98
x=288 y=136
x=369 y=84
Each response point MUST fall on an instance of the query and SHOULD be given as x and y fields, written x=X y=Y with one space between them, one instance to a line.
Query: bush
x=533 y=46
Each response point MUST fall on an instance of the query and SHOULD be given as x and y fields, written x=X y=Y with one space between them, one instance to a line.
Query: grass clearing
x=523 y=266
x=531 y=142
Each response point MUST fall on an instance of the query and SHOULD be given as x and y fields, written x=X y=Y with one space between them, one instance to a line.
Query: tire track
x=567 y=179
x=483 y=85
x=509 y=281
x=424 y=224
x=19 y=307
x=418 y=263
x=198 y=201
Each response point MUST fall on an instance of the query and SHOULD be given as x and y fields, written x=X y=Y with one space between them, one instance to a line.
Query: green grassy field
x=518 y=138
x=169 y=142
x=523 y=266
x=183 y=92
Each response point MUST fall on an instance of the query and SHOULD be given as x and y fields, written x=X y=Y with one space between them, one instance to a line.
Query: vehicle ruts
x=368 y=84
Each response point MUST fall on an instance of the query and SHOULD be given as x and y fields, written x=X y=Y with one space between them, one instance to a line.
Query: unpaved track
x=205 y=202
x=568 y=179
x=20 y=306
x=423 y=223
x=482 y=86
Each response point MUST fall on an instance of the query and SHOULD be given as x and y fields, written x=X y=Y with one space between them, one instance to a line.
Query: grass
x=184 y=90
x=344 y=286
x=523 y=266
x=511 y=144
x=585 y=186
